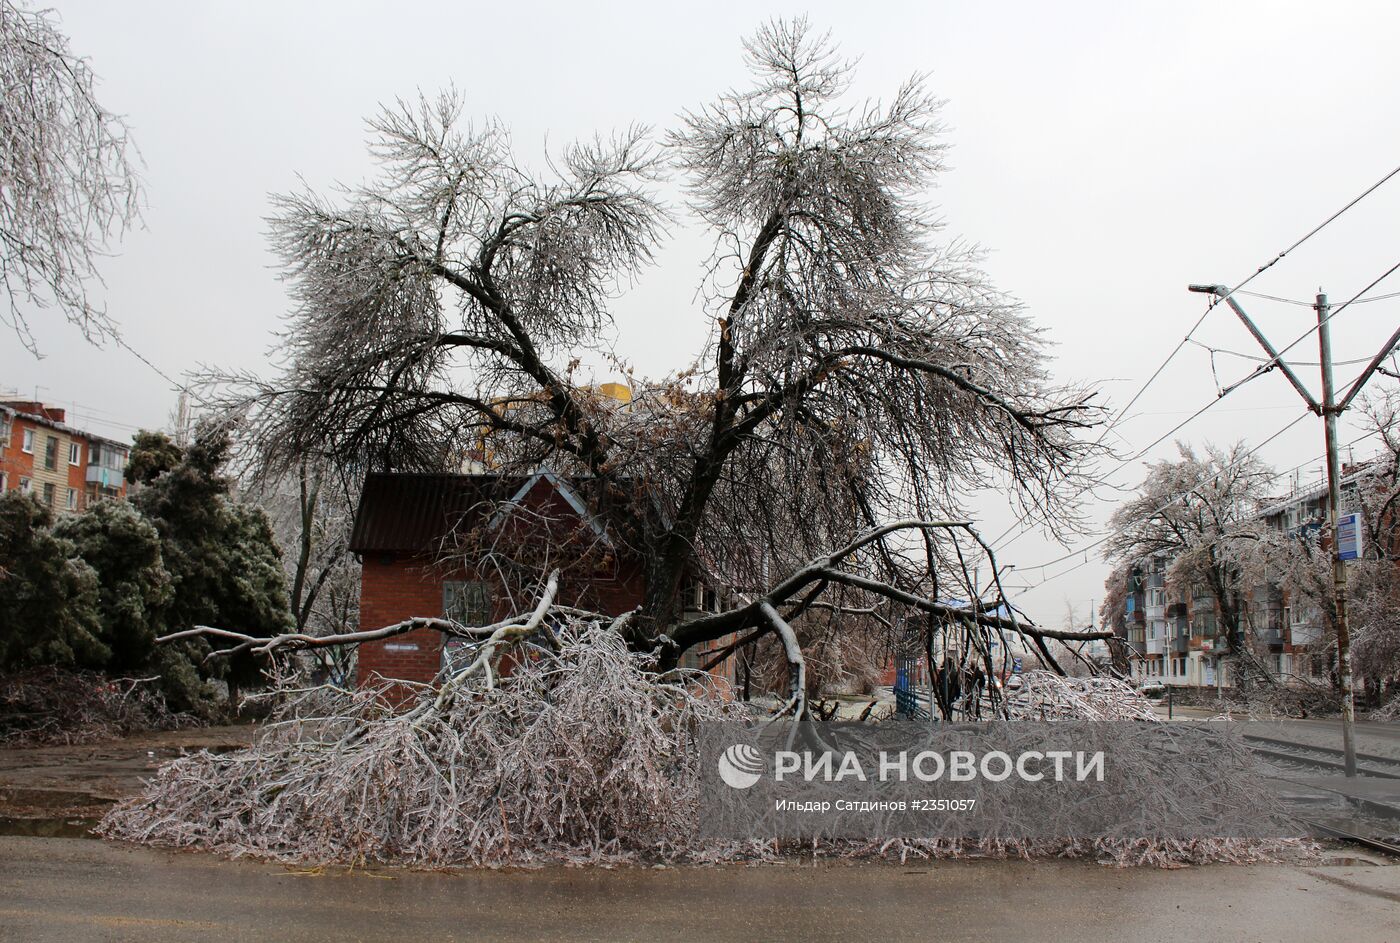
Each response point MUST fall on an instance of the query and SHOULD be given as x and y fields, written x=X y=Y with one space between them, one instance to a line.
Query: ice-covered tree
x=1200 y=511
x=860 y=369
x=68 y=184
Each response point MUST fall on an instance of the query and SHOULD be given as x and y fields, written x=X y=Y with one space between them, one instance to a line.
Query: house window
x=49 y=492
x=75 y=453
x=51 y=453
x=26 y=486
x=468 y=603
x=28 y=445
x=72 y=499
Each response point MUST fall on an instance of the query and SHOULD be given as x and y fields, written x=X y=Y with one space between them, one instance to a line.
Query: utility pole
x=1334 y=511
x=182 y=420
x=1329 y=409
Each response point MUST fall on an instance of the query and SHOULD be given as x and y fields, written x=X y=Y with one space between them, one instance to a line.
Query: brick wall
x=393 y=589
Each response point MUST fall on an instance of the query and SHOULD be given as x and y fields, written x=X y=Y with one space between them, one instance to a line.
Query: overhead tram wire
x=1257 y=272
x=1272 y=362
x=1078 y=550
x=1103 y=479
x=1118 y=417
x=1308 y=304
x=1259 y=371
x=1085 y=549
x=1293 y=363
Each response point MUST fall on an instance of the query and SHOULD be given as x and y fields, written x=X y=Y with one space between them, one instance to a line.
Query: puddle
x=1345 y=862
x=47 y=828
x=49 y=800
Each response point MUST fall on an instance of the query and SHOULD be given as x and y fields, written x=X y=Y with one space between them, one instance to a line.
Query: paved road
x=73 y=889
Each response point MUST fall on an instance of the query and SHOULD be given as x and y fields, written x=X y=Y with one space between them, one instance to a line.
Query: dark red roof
x=411 y=513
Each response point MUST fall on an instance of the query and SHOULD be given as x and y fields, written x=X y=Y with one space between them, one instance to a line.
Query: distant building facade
x=1174 y=634
x=65 y=468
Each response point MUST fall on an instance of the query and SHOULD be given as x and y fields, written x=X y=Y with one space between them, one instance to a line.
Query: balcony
x=1155 y=646
x=1180 y=645
x=104 y=476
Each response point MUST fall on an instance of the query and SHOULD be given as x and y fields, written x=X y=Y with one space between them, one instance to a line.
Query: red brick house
x=445 y=545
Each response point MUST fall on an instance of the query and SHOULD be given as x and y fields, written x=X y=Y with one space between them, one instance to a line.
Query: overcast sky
x=1105 y=154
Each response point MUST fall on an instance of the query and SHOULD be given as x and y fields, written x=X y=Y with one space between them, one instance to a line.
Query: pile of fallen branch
x=1182 y=781
x=578 y=755
x=1388 y=711
x=581 y=754
x=1228 y=777
x=1274 y=702
x=1045 y=695
x=52 y=705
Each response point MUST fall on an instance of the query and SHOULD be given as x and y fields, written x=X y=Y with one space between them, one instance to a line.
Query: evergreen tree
x=49 y=600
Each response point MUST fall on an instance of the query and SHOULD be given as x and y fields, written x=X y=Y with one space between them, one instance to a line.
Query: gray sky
x=1105 y=154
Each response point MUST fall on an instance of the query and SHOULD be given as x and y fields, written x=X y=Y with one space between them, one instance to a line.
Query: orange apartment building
x=65 y=468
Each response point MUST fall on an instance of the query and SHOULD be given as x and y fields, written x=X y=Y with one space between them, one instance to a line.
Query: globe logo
x=740 y=766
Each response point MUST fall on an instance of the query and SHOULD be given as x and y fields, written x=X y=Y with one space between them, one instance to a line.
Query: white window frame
x=26 y=485
x=27 y=443
x=75 y=453
x=72 y=499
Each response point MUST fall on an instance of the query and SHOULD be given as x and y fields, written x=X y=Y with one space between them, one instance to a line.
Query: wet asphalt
x=57 y=889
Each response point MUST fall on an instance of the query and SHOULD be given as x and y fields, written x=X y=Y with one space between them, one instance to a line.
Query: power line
x=1309 y=304
x=1287 y=301
x=1103 y=479
x=1206 y=480
x=1269 y=364
x=1118 y=417
x=1084 y=550
x=1257 y=272
x=1258 y=359
x=1264 y=367
x=159 y=372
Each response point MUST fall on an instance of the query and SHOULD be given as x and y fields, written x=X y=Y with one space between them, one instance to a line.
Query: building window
x=28 y=445
x=468 y=603
x=51 y=453
x=49 y=492
x=72 y=499
x=25 y=485
x=75 y=453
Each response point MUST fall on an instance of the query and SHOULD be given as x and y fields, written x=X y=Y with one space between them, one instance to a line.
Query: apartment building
x=1174 y=634
x=65 y=468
